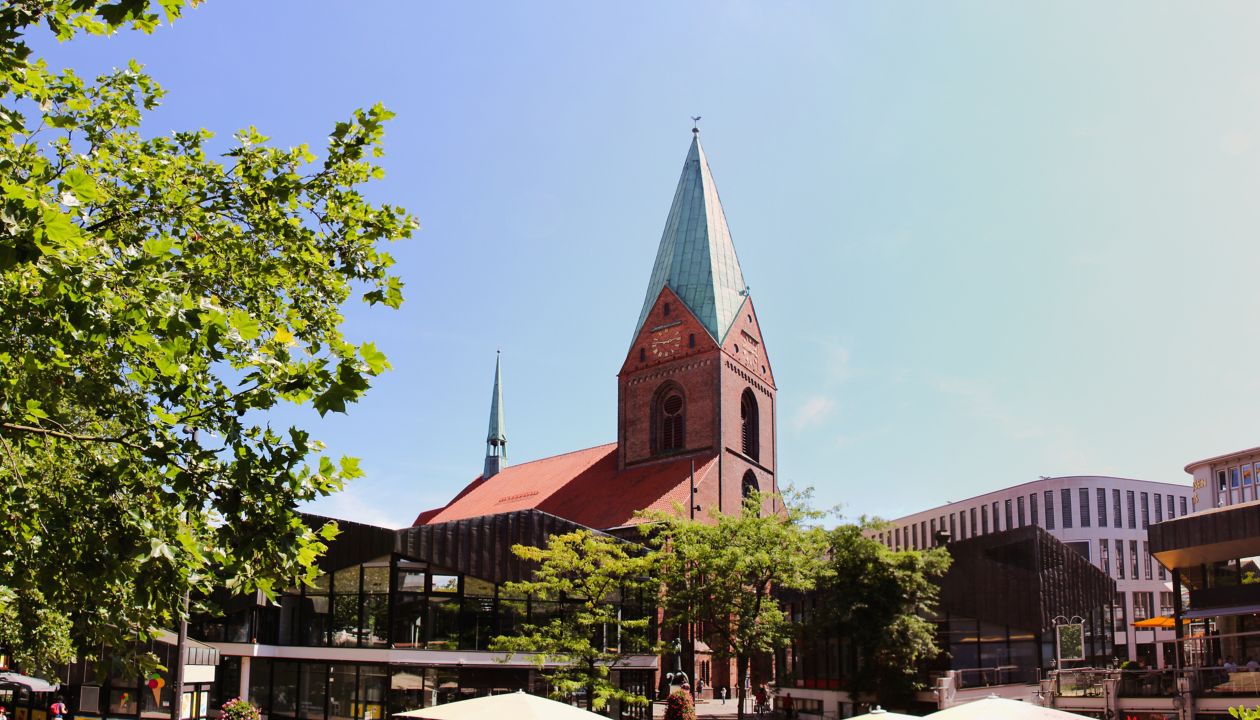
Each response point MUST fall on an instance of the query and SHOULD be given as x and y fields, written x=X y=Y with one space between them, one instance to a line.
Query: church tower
x=697 y=380
x=496 y=439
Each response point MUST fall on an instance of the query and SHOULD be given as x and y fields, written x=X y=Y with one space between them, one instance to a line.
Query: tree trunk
x=741 y=672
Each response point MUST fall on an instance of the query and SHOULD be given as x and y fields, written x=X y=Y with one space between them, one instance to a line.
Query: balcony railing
x=1002 y=675
x=1202 y=682
x=1081 y=683
x=1147 y=683
x=1219 y=681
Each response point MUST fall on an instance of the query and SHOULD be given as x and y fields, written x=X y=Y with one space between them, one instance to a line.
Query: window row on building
x=1134 y=570
x=1239 y=484
x=425 y=608
x=1077 y=507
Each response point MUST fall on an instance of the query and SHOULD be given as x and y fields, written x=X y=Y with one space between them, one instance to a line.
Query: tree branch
x=71 y=436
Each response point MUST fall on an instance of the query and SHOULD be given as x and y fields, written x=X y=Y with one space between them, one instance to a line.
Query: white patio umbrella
x=995 y=708
x=35 y=684
x=510 y=705
x=879 y=713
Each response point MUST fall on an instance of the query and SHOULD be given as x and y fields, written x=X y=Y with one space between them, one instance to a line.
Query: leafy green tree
x=720 y=575
x=877 y=601
x=608 y=589
x=157 y=300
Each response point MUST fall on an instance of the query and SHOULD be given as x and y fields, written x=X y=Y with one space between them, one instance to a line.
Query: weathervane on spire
x=695 y=124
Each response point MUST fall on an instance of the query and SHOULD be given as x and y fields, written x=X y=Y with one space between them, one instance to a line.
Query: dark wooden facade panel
x=1188 y=538
x=482 y=546
x=1023 y=578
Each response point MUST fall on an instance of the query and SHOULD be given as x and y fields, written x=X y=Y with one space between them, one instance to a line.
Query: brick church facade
x=695 y=402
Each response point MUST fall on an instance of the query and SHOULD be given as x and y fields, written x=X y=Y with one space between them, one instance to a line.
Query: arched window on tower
x=749 y=485
x=749 y=421
x=669 y=420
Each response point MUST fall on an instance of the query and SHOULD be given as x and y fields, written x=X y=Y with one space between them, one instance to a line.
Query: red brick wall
x=713 y=380
x=664 y=343
x=746 y=365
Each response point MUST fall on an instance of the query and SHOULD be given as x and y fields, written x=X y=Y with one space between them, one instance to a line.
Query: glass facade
x=354 y=607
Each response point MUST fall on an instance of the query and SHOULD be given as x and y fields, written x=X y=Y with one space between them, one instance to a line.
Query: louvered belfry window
x=749 y=430
x=670 y=421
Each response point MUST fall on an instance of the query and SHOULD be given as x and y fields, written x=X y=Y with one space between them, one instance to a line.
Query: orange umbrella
x=1163 y=621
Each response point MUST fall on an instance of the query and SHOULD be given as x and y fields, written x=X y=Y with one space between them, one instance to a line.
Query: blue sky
x=987 y=241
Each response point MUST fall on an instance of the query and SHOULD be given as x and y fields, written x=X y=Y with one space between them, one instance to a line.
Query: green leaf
x=350 y=468
x=33 y=411
x=81 y=184
x=159 y=246
x=245 y=325
x=375 y=359
x=58 y=227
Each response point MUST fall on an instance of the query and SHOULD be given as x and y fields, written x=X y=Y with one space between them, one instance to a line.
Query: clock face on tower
x=666 y=343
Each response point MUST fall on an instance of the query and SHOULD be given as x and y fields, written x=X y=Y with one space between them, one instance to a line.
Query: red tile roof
x=583 y=486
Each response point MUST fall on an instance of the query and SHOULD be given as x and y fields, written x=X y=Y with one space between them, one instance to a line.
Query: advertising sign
x=1071 y=641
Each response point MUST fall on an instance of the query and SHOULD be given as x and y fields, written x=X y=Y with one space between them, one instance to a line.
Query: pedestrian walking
x=3 y=714
x=722 y=693
x=58 y=709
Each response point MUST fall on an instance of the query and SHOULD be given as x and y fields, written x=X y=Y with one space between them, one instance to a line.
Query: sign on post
x=1070 y=638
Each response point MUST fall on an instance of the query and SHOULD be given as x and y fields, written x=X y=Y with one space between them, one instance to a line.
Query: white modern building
x=1230 y=479
x=1103 y=518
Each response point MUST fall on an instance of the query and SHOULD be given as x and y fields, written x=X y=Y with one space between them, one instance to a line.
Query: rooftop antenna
x=695 y=124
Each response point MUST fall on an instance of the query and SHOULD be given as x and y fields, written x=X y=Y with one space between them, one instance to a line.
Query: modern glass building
x=399 y=620
x=1000 y=603
x=1104 y=519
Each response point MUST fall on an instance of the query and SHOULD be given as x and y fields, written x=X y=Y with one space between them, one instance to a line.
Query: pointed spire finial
x=695 y=124
x=696 y=256
x=496 y=437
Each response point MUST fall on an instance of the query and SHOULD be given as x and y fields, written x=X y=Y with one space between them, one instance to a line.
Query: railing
x=1202 y=682
x=1080 y=683
x=1220 y=681
x=1001 y=675
x=1147 y=683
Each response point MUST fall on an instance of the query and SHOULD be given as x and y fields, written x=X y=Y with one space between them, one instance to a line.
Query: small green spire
x=496 y=437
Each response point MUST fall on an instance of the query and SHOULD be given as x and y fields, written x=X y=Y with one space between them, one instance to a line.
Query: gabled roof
x=696 y=257
x=584 y=487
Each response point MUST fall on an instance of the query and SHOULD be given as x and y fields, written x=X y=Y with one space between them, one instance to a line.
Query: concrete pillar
x=243 y=691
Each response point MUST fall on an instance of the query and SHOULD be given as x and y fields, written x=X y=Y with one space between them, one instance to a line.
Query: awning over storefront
x=35 y=684
x=1220 y=612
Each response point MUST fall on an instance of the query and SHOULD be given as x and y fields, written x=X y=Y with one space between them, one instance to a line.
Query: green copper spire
x=696 y=258
x=496 y=437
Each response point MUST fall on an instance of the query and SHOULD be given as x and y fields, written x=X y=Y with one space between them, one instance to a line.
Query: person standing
x=789 y=711
x=58 y=709
x=722 y=694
